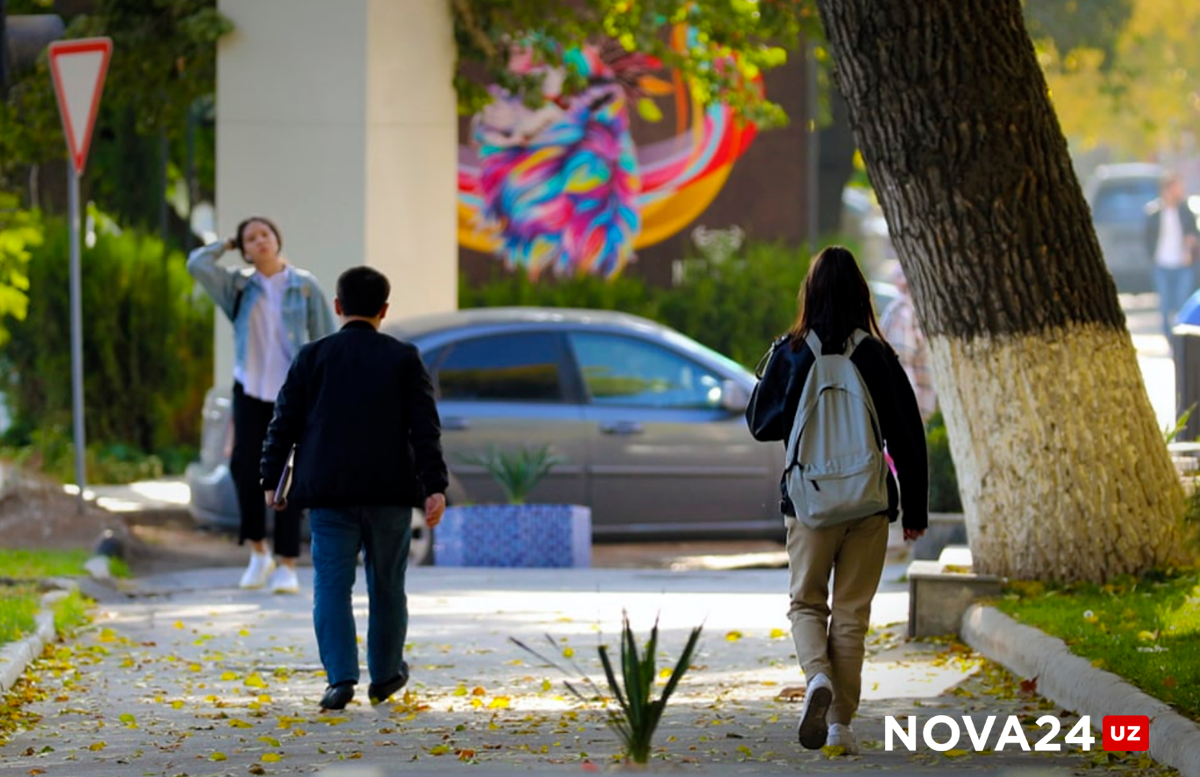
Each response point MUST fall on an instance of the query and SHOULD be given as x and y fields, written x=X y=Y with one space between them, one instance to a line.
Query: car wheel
x=420 y=552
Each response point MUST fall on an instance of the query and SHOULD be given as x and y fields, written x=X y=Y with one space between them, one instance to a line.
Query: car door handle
x=621 y=427
x=455 y=424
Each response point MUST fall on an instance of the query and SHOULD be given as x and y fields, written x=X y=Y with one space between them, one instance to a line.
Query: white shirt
x=268 y=355
x=1170 y=239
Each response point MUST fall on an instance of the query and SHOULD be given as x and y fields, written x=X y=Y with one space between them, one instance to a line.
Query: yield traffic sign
x=78 y=68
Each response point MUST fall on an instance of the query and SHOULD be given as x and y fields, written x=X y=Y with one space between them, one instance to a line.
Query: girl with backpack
x=835 y=393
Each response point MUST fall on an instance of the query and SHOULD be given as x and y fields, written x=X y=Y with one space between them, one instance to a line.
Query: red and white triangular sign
x=78 y=68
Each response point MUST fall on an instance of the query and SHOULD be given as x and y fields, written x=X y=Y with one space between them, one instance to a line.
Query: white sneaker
x=812 y=730
x=260 y=568
x=841 y=735
x=284 y=581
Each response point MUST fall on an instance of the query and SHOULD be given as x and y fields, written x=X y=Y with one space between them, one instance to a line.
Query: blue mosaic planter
x=514 y=536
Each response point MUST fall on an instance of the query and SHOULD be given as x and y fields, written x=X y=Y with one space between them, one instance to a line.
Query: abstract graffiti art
x=563 y=189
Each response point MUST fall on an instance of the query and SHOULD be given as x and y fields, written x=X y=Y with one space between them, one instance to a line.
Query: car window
x=1124 y=202
x=502 y=368
x=627 y=372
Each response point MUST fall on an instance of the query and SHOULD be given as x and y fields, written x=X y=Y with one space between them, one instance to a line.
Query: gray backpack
x=836 y=468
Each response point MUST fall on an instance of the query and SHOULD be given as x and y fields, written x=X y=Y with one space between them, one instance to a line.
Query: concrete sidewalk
x=192 y=676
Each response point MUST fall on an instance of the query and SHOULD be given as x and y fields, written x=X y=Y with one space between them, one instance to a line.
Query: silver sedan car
x=647 y=422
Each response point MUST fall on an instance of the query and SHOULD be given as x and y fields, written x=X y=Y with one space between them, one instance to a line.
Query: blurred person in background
x=901 y=329
x=1172 y=241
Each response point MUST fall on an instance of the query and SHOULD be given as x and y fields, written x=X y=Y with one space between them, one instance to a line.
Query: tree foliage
x=735 y=41
x=19 y=232
x=164 y=59
x=1140 y=101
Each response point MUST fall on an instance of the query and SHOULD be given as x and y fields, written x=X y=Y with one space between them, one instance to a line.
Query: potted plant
x=515 y=534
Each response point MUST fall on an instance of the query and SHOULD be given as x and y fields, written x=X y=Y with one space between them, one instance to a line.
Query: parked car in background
x=1118 y=196
x=649 y=423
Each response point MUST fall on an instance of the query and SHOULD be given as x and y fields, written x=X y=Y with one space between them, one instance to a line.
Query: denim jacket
x=306 y=313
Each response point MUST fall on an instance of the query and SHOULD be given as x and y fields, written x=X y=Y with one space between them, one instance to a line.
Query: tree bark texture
x=1062 y=467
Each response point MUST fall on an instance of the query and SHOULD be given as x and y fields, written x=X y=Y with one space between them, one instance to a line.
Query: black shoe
x=337 y=696
x=378 y=693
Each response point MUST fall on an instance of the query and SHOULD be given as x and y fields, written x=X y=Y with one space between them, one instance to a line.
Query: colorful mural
x=563 y=189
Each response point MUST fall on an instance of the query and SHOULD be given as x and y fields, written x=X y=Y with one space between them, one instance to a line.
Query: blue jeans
x=384 y=535
x=1174 y=285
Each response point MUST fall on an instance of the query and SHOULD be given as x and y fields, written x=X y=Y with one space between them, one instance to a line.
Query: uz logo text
x=1126 y=732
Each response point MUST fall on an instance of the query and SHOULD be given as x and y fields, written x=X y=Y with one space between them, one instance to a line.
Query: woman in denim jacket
x=275 y=309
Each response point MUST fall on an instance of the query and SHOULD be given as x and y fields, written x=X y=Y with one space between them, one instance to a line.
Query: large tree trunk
x=1063 y=470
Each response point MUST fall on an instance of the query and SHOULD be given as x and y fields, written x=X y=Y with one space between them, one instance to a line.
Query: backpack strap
x=853 y=341
x=813 y=342
x=240 y=282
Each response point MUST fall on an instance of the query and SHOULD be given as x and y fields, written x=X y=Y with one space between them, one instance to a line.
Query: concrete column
x=336 y=118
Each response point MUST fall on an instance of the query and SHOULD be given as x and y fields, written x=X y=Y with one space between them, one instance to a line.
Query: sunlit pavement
x=189 y=675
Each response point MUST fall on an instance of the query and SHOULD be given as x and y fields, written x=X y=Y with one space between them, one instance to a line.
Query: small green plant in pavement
x=517 y=471
x=638 y=712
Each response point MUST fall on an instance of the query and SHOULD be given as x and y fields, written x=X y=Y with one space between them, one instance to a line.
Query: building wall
x=336 y=118
x=766 y=194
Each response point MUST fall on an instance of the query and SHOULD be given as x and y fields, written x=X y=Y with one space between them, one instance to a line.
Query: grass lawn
x=34 y=564
x=18 y=605
x=1147 y=631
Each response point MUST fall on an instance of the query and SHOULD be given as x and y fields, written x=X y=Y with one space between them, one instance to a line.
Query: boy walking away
x=359 y=408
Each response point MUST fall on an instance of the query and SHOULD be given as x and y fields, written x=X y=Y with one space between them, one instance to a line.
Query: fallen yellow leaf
x=733 y=636
x=271 y=758
x=778 y=633
x=217 y=757
x=227 y=676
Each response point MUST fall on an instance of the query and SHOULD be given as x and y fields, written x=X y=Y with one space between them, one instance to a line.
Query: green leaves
x=517 y=472
x=639 y=712
x=755 y=35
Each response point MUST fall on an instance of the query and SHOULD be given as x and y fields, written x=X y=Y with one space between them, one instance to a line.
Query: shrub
x=147 y=349
x=944 y=496
x=736 y=306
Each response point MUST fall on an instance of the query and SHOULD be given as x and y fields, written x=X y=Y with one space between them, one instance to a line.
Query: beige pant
x=832 y=641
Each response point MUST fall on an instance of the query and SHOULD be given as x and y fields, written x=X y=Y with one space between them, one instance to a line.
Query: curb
x=15 y=658
x=1072 y=682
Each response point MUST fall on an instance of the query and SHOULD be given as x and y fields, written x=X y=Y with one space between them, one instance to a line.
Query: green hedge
x=148 y=351
x=944 y=496
x=736 y=307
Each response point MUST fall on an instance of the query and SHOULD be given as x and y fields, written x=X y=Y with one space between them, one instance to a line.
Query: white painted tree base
x=1063 y=471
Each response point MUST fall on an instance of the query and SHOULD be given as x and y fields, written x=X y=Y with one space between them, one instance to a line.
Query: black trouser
x=251 y=417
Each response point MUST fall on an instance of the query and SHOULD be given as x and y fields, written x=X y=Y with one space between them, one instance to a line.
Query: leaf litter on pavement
x=244 y=715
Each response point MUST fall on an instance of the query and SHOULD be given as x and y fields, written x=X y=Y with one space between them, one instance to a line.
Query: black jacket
x=358 y=405
x=775 y=399
x=1187 y=220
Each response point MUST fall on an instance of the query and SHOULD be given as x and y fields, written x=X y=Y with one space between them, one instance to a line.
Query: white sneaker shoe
x=260 y=568
x=812 y=730
x=841 y=735
x=284 y=581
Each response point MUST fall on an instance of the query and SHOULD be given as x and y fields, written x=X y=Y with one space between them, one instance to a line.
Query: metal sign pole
x=76 y=331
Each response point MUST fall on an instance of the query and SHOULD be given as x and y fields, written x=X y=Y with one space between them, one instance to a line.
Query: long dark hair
x=834 y=301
